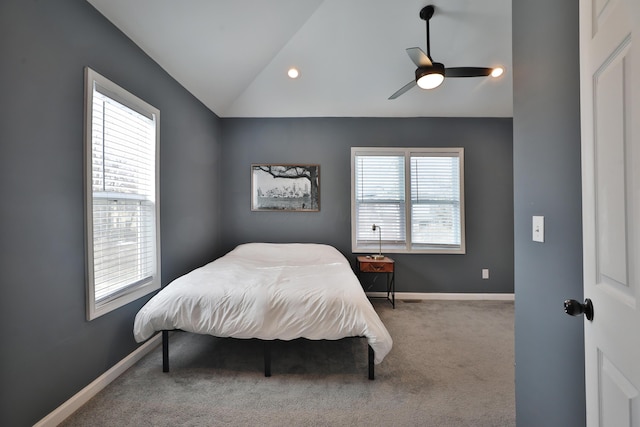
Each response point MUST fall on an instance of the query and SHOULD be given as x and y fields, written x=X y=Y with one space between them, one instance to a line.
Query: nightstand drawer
x=376 y=267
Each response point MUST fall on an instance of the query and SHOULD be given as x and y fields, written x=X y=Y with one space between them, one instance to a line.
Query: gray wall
x=327 y=141
x=548 y=344
x=48 y=350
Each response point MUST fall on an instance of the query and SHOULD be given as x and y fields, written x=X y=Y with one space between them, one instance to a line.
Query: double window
x=414 y=196
x=121 y=184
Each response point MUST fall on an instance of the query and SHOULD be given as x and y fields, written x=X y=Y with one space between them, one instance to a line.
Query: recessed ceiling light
x=497 y=72
x=293 y=72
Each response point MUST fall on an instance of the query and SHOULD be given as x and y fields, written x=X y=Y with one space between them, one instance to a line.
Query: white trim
x=63 y=411
x=445 y=296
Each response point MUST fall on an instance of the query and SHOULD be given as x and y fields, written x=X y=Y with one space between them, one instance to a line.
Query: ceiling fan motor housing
x=435 y=68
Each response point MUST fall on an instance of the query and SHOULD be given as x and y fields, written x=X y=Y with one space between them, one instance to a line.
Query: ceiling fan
x=430 y=74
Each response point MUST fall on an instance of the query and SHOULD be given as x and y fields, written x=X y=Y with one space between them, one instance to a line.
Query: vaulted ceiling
x=233 y=55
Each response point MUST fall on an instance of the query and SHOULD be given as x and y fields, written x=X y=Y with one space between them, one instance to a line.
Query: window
x=121 y=184
x=414 y=195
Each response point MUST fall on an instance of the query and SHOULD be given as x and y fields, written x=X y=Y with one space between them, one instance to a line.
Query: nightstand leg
x=391 y=288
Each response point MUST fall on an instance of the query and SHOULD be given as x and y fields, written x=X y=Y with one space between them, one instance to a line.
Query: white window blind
x=123 y=238
x=380 y=198
x=435 y=201
x=430 y=179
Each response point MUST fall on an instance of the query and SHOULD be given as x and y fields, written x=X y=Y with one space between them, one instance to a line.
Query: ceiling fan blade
x=467 y=72
x=403 y=89
x=418 y=57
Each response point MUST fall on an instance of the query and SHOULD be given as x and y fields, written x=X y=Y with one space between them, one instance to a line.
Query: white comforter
x=268 y=291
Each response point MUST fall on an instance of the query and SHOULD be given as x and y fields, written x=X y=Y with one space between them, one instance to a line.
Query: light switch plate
x=538 y=228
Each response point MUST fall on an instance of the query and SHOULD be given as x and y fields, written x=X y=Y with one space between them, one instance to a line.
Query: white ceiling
x=233 y=55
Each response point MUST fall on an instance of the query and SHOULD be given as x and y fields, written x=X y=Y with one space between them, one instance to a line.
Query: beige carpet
x=452 y=364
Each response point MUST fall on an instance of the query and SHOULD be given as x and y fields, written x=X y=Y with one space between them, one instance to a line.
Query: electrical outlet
x=485 y=273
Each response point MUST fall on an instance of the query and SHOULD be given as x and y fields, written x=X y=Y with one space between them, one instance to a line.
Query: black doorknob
x=576 y=308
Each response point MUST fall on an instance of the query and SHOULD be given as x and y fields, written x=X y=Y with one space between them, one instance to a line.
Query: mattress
x=269 y=291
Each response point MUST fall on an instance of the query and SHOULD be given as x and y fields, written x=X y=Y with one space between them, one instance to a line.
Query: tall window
x=122 y=209
x=414 y=195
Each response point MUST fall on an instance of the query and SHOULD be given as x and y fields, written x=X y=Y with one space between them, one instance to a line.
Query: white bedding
x=268 y=291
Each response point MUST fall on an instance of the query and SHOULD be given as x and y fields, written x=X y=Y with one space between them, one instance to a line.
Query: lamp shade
x=430 y=77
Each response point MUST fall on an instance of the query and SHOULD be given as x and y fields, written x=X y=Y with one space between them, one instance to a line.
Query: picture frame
x=285 y=187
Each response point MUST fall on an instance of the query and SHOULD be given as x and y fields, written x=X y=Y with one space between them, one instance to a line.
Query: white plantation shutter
x=414 y=195
x=123 y=238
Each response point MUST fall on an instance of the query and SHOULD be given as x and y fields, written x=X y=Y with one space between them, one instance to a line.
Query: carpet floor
x=452 y=364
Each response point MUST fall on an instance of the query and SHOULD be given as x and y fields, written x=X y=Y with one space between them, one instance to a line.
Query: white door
x=610 y=117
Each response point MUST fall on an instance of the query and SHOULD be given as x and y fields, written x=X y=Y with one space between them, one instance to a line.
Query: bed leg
x=267 y=358
x=165 y=351
x=371 y=357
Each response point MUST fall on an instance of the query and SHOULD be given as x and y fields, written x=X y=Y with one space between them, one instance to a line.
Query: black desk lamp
x=379 y=254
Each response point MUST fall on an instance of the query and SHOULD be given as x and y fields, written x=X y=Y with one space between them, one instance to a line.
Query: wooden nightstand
x=386 y=265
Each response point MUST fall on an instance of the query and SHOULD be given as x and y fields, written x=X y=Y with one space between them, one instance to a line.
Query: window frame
x=137 y=289
x=407 y=245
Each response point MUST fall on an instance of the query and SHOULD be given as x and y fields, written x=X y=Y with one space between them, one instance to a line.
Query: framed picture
x=278 y=187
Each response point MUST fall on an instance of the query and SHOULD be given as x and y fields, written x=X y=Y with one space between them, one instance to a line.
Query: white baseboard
x=63 y=411
x=444 y=296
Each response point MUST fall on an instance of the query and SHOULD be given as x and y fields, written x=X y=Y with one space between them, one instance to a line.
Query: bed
x=268 y=291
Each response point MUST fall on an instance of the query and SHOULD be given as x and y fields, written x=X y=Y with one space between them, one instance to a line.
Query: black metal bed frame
x=267 y=356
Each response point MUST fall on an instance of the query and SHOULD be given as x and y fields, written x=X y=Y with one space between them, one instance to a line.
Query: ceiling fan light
x=430 y=81
x=430 y=77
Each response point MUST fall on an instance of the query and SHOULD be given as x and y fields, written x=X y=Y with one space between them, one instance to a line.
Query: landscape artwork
x=278 y=187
